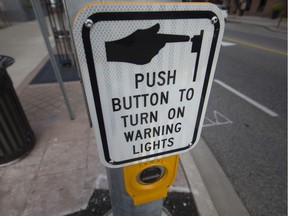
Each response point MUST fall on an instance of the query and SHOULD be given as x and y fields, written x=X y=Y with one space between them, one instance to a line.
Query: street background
x=245 y=129
x=252 y=147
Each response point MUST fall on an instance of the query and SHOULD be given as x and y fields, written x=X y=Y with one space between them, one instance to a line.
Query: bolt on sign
x=147 y=70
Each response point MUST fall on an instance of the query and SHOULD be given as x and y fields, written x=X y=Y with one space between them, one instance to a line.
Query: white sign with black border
x=147 y=70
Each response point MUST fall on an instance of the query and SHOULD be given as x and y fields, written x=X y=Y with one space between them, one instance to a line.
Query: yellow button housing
x=149 y=181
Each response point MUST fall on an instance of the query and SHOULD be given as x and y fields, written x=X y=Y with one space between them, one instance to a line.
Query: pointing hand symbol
x=140 y=46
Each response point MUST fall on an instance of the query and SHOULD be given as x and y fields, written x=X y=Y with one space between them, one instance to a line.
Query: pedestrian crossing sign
x=147 y=70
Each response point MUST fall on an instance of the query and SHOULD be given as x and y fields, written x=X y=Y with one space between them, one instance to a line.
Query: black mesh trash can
x=16 y=136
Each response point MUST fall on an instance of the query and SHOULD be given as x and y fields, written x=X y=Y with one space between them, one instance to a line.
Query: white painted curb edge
x=200 y=193
x=213 y=192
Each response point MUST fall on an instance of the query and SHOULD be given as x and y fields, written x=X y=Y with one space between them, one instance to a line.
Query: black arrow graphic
x=141 y=46
x=144 y=44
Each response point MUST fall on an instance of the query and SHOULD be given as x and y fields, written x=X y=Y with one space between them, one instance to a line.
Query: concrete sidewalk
x=276 y=25
x=59 y=176
x=24 y=43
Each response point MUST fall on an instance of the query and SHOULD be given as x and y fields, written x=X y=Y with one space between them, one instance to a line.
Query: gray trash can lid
x=6 y=61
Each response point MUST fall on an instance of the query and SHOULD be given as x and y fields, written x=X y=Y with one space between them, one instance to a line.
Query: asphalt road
x=246 y=119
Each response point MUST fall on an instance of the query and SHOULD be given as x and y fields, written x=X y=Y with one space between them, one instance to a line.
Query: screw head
x=111 y=162
x=89 y=23
x=214 y=20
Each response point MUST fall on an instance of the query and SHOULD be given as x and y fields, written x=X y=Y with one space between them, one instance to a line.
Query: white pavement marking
x=246 y=98
x=224 y=43
x=100 y=178
x=179 y=189
x=220 y=119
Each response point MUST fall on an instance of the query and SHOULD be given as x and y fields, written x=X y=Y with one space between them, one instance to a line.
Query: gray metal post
x=122 y=203
x=41 y=20
x=69 y=16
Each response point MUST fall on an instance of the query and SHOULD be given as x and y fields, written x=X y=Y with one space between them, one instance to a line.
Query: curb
x=202 y=199
x=219 y=189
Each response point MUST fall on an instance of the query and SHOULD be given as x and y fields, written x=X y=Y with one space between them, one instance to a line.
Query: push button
x=151 y=174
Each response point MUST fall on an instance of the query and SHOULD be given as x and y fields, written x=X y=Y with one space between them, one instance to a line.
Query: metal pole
x=122 y=203
x=70 y=23
x=41 y=20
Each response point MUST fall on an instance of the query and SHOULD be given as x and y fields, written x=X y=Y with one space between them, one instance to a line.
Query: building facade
x=18 y=10
x=263 y=8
